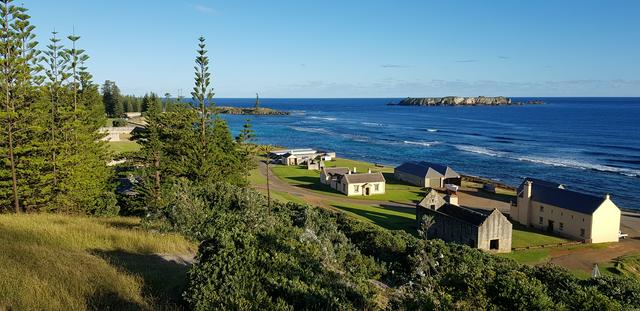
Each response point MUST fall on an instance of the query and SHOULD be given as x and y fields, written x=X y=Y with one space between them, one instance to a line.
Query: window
x=356 y=188
x=561 y=226
x=582 y=232
x=561 y=214
x=571 y=216
x=540 y=221
x=376 y=187
x=541 y=208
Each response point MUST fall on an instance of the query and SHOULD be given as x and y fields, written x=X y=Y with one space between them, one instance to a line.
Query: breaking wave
x=372 y=124
x=432 y=130
x=323 y=118
x=310 y=130
x=421 y=143
x=551 y=161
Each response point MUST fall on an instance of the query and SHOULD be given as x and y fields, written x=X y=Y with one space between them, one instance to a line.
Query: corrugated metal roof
x=427 y=169
x=364 y=178
x=554 y=194
x=467 y=215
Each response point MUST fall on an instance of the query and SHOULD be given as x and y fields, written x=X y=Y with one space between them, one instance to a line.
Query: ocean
x=588 y=144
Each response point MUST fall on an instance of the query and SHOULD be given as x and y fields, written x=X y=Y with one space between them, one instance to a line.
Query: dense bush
x=119 y=122
x=293 y=256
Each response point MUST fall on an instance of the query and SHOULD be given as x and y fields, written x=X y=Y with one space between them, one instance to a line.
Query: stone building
x=551 y=207
x=425 y=174
x=457 y=224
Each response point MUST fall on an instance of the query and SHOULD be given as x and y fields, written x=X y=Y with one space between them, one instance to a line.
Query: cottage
x=457 y=224
x=425 y=174
x=351 y=183
x=300 y=156
x=549 y=206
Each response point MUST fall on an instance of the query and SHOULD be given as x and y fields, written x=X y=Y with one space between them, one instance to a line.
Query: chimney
x=607 y=196
x=354 y=169
x=369 y=171
x=527 y=192
x=452 y=199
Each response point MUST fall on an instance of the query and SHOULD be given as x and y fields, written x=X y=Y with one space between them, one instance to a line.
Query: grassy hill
x=57 y=262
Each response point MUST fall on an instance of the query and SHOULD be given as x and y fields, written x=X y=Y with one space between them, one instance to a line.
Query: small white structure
x=300 y=156
x=351 y=183
x=116 y=133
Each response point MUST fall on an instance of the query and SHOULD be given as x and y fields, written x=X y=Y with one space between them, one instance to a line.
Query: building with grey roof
x=489 y=230
x=352 y=183
x=426 y=174
x=552 y=207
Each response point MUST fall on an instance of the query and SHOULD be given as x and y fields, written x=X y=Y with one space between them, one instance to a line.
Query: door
x=550 y=226
x=366 y=191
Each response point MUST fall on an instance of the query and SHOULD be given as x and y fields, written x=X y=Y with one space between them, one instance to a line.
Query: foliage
x=119 y=122
x=299 y=257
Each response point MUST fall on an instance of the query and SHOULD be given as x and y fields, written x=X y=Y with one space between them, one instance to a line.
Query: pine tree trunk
x=14 y=176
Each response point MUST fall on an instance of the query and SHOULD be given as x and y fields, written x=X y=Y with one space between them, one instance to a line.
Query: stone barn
x=425 y=174
x=457 y=224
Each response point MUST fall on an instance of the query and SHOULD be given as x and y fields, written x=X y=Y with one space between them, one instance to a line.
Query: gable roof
x=462 y=213
x=432 y=197
x=363 y=178
x=556 y=195
x=443 y=170
x=336 y=170
x=539 y=182
x=427 y=169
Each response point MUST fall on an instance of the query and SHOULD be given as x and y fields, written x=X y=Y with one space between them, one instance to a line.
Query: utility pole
x=257 y=101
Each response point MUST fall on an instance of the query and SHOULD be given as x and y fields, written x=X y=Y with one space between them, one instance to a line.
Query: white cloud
x=204 y=9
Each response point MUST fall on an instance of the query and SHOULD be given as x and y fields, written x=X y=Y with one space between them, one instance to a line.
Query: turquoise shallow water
x=589 y=144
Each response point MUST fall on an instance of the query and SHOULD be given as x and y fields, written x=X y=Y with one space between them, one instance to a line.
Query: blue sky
x=359 y=48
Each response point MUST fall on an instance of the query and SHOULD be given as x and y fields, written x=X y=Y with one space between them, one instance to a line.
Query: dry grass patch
x=57 y=262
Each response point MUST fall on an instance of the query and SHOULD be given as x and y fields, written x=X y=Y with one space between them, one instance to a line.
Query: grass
x=394 y=190
x=628 y=265
x=523 y=237
x=123 y=146
x=58 y=262
x=256 y=178
x=392 y=218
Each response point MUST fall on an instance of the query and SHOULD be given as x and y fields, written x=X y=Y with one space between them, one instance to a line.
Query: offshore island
x=463 y=101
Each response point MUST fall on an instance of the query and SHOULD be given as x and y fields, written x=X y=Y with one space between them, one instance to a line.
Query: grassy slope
x=626 y=265
x=304 y=178
x=389 y=218
x=57 y=262
x=123 y=146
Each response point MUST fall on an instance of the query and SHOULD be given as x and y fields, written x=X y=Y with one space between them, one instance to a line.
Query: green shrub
x=119 y=122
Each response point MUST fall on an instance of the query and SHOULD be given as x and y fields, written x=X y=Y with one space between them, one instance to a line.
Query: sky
x=336 y=48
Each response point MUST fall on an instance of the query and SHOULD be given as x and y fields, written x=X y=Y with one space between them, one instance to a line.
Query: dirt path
x=575 y=259
x=314 y=198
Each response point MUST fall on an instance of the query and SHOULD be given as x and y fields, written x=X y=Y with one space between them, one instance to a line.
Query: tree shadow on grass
x=109 y=300
x=387 y=221
x=164 y=279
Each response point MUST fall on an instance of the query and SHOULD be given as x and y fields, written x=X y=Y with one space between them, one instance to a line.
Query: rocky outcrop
x=250 y=111
x=462 y=101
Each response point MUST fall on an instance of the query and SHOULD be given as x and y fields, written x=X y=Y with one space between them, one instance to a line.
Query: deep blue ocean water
x=588 y=144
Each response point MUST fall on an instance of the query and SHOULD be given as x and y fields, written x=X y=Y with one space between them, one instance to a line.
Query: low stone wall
x=547 y=245
x=482 y=180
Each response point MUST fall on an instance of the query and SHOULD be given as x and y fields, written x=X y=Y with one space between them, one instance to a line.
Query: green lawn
x=389 y=217
x=57 y=262
x=523 y=237
x=394 y=190
x=123 y=146
x=255 y=178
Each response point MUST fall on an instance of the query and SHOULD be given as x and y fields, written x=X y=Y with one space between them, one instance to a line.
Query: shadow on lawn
x=164 y=279
x=387 y=221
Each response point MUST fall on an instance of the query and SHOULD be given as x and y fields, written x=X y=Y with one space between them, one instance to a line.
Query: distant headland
x=250 y=111
x=463 y=101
